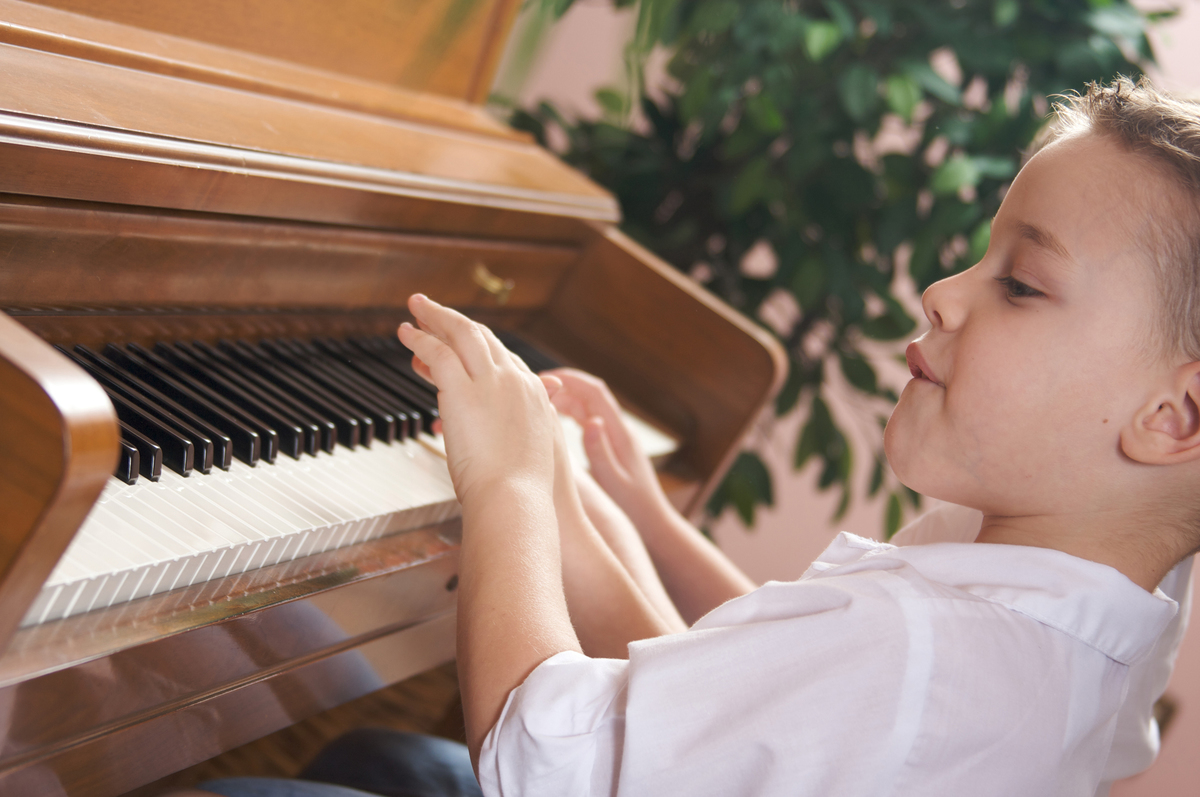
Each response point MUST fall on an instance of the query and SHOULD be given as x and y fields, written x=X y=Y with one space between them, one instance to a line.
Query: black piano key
x=149 y=455
x=348 y=385
x=407 y=419
x=177 y=451
x=369 y=366
x=535 y=358
x=251 y=438
x=222 y=445
x=346 y=427
x=202 y=445
x=314 y=381
x=128 y=463
x=306 y=385
x=399 y=357
x=291 y=436
x=400 y=366
x=234 y=371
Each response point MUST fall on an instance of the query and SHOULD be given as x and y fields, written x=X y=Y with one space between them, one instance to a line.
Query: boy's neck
x=1124 y=543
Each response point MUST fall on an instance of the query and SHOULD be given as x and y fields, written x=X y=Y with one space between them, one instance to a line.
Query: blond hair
x=1165 y=130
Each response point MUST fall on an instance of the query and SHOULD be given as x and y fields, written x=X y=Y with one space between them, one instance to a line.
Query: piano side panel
x=437 y=46
x=58 y=444
x=667 y=346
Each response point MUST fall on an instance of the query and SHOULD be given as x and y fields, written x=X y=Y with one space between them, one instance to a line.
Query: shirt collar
x=1094 y=603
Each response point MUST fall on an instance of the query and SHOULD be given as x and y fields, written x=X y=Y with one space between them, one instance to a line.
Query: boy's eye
x=1017 y=289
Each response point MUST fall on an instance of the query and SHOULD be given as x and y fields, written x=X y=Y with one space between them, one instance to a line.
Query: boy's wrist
x=528 y=488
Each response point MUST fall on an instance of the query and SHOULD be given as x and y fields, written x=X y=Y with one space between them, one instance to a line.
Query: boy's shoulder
x=1090 y=602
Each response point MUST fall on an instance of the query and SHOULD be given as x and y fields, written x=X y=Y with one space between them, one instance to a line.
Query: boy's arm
x=622 y=538
x=496 y=420
x=697 y=576
x=609 y=605
x=507 y=467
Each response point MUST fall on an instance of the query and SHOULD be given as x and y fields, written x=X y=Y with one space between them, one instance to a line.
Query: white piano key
x=151 y=537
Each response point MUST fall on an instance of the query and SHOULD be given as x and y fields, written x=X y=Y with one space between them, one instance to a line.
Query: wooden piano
x=279 y=171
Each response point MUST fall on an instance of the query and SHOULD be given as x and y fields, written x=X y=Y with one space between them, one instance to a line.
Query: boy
x=1056 y=392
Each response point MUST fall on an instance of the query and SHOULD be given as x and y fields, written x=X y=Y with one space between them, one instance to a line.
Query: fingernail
x=406 y=325
x=419 y=297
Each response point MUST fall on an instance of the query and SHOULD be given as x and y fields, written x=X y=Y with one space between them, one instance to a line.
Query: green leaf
x=790 y=393
x=858 y=372
x=1005 y=12
x=611 y=101
x=998 y=168
x=893 y=515
x=713 y=17
x=696 y=95
x=747 y=485
x=821 y=38
x=858 y=89
x=1120 y=21
x=903 y=94
x=876 y=477
x=763 y=113
x=808 y=283
x=981 y=236
x=749 y=185
x=954 y=173
x=895 y=322
x=842 y=16
x=932 y=82
x=816 y=435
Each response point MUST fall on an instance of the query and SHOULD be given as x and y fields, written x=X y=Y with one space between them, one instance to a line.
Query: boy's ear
x=1166 y=430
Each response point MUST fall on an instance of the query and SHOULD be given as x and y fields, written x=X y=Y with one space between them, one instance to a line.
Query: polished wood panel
x=89 y=38
x=106 y=255
x=58 y=437
x=608 y=318
x=438 y=46
x=211 y=147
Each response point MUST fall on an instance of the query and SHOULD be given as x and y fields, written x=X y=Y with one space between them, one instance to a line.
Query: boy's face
x=1041 y=352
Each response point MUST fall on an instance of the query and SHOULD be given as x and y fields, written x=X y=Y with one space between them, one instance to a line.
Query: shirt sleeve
x=560 y=733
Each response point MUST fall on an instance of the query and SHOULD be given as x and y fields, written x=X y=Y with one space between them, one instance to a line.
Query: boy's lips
x=918 y=366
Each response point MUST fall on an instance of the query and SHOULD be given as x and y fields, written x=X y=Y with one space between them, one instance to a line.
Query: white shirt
x=1136 y=740
x=936 y=669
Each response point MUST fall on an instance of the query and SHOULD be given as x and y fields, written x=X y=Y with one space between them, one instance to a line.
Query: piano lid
x=194 y=125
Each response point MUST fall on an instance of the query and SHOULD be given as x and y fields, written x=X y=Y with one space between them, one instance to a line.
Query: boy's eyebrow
x=1043 y=238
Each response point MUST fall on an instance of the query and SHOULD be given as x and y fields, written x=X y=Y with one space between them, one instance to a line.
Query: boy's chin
x=907 y=452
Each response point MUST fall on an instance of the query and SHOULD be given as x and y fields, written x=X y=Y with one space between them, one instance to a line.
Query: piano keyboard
x=239 y=456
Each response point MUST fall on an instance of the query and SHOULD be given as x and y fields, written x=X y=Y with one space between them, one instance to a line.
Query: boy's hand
x=496 y=415
x=618 y=463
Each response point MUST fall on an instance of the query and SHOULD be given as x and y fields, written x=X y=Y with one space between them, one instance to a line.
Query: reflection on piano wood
x=166 y=177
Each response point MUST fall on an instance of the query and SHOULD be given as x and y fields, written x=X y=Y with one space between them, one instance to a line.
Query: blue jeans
x=370 y=763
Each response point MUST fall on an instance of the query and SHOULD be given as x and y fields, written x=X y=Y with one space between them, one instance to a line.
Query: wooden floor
x=428 y=703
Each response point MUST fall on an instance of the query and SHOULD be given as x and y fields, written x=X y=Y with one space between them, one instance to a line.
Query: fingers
x=468 y=340
x=606 y=467
x=434 y=360
x=553 y=385
x=584 y=397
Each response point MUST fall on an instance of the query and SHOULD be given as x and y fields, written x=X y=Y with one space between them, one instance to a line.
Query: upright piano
x=243 y=195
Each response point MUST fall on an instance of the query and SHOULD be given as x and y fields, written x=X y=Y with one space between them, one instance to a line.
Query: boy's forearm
x=697 y=576
x=608 y=609
x=621 y=537
x=512 y=614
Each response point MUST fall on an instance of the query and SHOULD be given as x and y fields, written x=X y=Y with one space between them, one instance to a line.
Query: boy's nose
x=945 y=304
